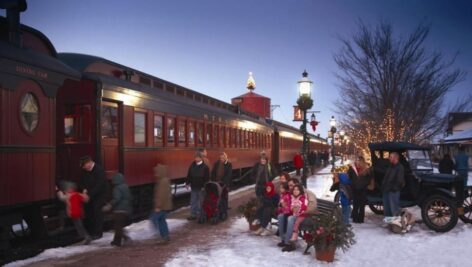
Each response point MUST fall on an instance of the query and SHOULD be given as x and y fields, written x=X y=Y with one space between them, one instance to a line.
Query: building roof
x=455 y=118
x=465 y=135
x=251 y=94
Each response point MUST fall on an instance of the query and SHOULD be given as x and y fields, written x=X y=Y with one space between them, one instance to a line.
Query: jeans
x=120 y=220
x=282 y=223
x=391 y=202
x=289 y=231
x=79 y=227
x=346 y=209
x=195 y=201
x=160 y=223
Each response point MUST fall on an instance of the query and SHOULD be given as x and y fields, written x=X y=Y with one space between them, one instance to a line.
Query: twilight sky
x=211 y=45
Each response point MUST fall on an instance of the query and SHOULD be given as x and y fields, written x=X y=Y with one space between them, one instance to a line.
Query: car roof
x=395 y=146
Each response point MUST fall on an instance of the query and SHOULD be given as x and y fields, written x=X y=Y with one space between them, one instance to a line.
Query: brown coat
x=162 y=192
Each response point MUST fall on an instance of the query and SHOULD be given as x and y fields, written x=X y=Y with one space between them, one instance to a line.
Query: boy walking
x=162 y=202
x=75 y=208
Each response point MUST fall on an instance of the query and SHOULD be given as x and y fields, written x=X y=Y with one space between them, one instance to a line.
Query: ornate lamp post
x=333 y=130
x=304 y=102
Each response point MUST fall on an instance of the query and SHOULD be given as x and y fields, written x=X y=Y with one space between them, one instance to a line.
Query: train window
x=109 y=120
x=182 y=131
x=171 y=131
x=139 y=128
x=77 y=122
x=29 y=112
x=200 y=133
x=215 y=135
x=158 y=136
x=239 y=138
x=227 y=137
x=191 y=133
x=221 y=136
x=208 y=134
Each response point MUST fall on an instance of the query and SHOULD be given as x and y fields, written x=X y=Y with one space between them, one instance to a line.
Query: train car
x=30 y=76
x=288 y=141
x=130 y=121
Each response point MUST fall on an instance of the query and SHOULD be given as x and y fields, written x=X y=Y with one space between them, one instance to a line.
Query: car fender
x=441 y=191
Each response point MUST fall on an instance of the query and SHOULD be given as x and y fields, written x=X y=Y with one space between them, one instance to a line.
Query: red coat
x=298 y=161
x=76 y=203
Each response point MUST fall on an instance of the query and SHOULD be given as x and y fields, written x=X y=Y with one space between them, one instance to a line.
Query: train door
x=275 y=148
x=111 y=136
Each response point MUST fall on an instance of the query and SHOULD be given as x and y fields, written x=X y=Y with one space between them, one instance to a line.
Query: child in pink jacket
x=299 y=206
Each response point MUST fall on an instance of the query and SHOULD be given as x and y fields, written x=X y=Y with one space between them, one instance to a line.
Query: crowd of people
x=290 y=203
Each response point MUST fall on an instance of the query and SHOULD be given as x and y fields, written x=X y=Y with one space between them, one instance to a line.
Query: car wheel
x=377 y=208
x=467 y=217
x=439 y=213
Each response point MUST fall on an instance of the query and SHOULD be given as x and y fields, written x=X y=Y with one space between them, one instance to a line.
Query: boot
x=289 y=247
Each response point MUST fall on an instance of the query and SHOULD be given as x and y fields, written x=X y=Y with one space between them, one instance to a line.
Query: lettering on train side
x=31 y=71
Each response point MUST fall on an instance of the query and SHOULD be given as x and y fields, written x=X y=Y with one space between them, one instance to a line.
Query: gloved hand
x=106 y=208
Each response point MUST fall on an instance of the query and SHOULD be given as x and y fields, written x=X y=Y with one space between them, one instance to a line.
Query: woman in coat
x=222 y=170
x=261 y=173
x=360 y=178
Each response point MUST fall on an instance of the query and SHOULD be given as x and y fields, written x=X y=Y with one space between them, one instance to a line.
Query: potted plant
x=248 y=211
x=329 y=233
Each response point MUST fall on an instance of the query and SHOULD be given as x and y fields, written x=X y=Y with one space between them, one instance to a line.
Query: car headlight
x=453 y=191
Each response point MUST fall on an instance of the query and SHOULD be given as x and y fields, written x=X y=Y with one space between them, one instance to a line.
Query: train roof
x=36 y=54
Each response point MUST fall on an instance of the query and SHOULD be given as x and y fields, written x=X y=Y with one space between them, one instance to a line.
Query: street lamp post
x=333 y=130
x=304 y=102
x=342 y=135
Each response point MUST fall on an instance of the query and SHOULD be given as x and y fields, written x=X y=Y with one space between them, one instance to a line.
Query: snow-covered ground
x=375 y=246
x=137 y=231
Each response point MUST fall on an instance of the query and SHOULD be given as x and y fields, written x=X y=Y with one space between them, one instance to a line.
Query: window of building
x=109 y=120
x=77 y=123
x=182 y=131
x=140 y=128
x=171 y=131
x=226 y=139
x=158 y=131
x=191 y=133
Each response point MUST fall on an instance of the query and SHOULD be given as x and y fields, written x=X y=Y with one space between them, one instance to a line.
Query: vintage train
x=58 y=107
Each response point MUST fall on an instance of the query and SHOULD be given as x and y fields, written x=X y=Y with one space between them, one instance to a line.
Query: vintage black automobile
x=441 y=197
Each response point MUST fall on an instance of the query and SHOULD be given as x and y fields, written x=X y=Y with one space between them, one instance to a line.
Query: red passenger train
x=56 y=108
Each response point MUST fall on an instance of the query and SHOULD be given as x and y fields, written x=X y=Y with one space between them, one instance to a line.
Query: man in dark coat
x=392 y=184
x=446 y=165
x=198 y=174
x=94 y=180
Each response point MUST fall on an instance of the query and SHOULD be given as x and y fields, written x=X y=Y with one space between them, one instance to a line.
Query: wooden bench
x=323 y=207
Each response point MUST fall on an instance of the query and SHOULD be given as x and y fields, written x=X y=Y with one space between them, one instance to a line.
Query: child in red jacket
x=283 y=211
x=75 y=208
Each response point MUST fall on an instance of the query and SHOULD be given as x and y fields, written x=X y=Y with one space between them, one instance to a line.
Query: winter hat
x=272 y=191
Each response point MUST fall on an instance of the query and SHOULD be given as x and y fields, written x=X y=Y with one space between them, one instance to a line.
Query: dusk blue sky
x=211 y=45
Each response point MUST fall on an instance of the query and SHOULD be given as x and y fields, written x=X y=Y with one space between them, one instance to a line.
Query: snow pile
x=137 y=231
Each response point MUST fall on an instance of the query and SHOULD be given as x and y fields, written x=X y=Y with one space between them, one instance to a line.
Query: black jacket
x=96 y=184
x=271 y=171
x=198 y=175
x=394 y=178
x=227 y=173
x=358 y=181
x=446 y=166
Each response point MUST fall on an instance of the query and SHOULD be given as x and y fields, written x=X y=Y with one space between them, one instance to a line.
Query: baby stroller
x=215 y=203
